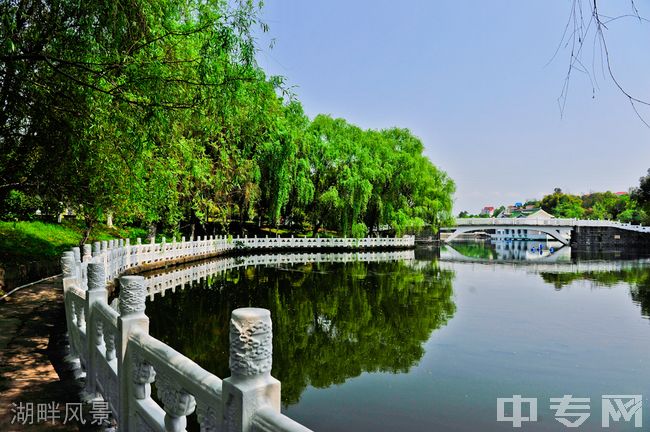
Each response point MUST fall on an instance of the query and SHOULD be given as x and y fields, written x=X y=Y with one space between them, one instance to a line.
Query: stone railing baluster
x=132 y=299
x=251 y=386
x=96 y=294
x=143 y=375
x=177 y=403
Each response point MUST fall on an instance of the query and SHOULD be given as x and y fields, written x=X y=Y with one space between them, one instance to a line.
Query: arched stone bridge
x=559 y=229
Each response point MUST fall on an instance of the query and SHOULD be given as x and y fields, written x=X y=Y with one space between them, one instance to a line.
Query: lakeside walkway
x=32 y=346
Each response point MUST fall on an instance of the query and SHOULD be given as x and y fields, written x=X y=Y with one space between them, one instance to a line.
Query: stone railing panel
x=268 y=420
x=181 y=384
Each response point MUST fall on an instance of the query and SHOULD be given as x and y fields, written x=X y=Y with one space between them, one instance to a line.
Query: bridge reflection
x=519 y=253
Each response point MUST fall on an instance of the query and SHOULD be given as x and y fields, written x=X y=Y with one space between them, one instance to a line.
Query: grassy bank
x=21 y=241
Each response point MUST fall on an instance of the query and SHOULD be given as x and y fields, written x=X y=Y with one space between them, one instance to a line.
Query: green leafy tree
x=641 y=195
x=156 y=113
x=562 y=205
x=104 y=102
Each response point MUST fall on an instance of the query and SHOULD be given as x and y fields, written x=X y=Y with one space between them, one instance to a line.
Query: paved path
x=32 y=371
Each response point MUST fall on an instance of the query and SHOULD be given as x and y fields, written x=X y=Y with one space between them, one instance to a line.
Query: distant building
x=489 y=211
x=621 y=193
x=523 y=234
x=525 y=212
x=536 y=213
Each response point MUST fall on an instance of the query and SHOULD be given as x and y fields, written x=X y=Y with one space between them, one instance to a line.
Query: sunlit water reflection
x=429 y=343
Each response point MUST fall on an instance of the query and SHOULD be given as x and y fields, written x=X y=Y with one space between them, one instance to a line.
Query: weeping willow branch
x=587 y=22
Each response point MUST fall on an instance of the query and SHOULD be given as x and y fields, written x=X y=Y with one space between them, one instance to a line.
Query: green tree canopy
x=155 y=111
x=563 y=205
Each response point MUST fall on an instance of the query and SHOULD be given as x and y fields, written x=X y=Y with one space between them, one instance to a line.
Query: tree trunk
x=151 y=231
x=316 y=228
x=90 y=223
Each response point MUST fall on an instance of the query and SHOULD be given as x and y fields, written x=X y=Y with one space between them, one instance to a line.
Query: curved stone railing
x=119 y=256
x=110 y=344
x=179 y=277
x=462 y=222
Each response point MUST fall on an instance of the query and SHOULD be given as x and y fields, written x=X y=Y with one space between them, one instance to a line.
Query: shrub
x=20 y=206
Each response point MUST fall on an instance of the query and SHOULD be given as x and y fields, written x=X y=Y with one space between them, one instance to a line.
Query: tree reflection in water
x=331 y=321
x=638 y=279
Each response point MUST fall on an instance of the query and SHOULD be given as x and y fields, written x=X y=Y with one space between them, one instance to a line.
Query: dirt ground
x=32 y=371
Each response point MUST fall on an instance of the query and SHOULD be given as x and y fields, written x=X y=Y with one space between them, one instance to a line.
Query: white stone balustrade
x=110 y=345
x=556 y=222
x=121 y=258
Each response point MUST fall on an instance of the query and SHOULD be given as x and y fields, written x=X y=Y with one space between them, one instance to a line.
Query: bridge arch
x=561 y=234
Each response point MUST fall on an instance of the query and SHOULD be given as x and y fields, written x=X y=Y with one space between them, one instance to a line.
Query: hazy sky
x=472 y=80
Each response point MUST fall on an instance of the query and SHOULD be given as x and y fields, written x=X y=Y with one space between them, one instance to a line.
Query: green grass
x=43 y=240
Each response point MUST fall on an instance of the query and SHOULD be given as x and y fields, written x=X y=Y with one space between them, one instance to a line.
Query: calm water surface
x=431 y=343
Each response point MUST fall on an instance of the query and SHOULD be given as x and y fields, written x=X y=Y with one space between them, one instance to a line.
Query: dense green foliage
x=331 y=321
x=596 y=205
x=632 y=208
x=641 y=196
x=155 y=111
x=563 y=205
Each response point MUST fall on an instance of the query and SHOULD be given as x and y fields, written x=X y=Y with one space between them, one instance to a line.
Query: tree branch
x=582 y=28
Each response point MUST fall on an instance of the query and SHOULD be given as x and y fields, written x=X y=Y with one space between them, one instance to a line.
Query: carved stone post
x=96 y=294
x=138 y=251
x=133 y=294
x=77 y=254
x=127 y=253
x=151 y=255
x=251 y=386
x=88 y=252
x=105 y=258
x=163 y=246
x=67 y=267
x=97 y=248
x=87 y=256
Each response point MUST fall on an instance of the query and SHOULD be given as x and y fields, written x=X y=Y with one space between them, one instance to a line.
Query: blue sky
x=473 y=80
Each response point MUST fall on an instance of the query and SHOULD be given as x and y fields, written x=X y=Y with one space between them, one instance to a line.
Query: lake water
x=429 y=344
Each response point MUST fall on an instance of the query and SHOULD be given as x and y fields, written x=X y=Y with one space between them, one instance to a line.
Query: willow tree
x=409 y=191
x=114 y=106
x=366 y=178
